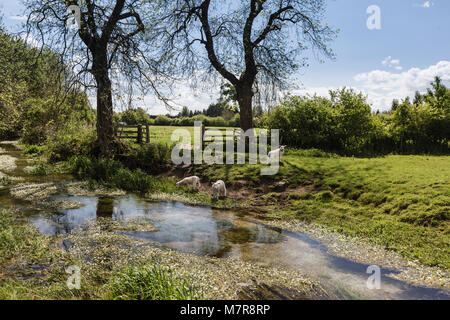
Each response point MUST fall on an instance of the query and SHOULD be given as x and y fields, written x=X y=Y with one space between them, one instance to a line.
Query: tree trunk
x=245 y=98
x=105 y=130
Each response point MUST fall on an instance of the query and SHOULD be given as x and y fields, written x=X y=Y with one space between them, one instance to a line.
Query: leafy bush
x=150 y=283
x=136 y=180
x=135 y=116
x=163 y=121
x=344 y=123
x=34 y=150
x=110 y=173
x=41 y=169
x=79 y=166
x=311 y=153
x=73 y=139
x=35 y=121
x=152 y=157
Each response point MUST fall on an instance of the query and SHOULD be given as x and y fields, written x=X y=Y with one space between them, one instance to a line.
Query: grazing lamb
x=219 y=189
x=193 y=182
x=276 y=154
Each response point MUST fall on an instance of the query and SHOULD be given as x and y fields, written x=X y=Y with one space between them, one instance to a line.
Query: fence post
x=147 y=133
x=139 y=137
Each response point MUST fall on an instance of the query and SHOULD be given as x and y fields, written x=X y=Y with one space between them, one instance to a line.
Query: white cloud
x=392 y=63
x=320 y=91
x=380 y=86
x=425 y=5
x=383 y=86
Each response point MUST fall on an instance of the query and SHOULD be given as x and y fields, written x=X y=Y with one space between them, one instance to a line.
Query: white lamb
x=219 y=189
x=276 y=154
x=193 y=182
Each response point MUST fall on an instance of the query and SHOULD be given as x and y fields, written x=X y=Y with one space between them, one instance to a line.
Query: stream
x=222 y=234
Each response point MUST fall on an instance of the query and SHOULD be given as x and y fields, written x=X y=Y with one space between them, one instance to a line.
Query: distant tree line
x=223 y=113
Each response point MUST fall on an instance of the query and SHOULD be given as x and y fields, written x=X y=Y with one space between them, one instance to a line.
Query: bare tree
x=254 y=44
x=110 y=49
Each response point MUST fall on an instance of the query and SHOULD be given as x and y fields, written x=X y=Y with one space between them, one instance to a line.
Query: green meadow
x=399 y=202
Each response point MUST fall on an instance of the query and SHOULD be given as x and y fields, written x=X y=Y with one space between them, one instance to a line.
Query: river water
x=206 y=232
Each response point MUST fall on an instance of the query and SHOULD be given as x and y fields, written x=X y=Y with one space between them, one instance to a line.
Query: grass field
x=399 y=202
x=163 y=133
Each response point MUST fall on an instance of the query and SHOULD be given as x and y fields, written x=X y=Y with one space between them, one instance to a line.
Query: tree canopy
x=111 y=50
x=255 y=45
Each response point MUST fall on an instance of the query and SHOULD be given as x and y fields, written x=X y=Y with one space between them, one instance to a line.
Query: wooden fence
x=228 y=134
x=141 y=134
x=136 y=133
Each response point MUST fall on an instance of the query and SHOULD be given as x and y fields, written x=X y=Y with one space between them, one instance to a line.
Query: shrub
x=33 y=150
x=134 y=117
x=79 y=166
x=104 y=170
x=151 y=282
x=36 y=121
x=110 y=173
x=152 y=157
x=128 y=180
x=163 y=121
x=236 y=121
x=74 y=139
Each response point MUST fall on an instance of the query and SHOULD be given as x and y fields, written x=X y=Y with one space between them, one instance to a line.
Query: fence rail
x=141 y=134
x=137 y=133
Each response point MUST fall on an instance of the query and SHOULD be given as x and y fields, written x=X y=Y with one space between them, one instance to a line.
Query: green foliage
x=303 y=122
x=73 y=139
x=36 y=122
x=399 y=202
x=42 y=169
x=135 y=117
x=152 y=282
x=152 y=157
x=18 y=240
x=424 y=125
x=163 y=121
x=34 y=150
x=218 y=121
x=351 y=114
x=110 y=173
x=34 y=98
x=344 y=123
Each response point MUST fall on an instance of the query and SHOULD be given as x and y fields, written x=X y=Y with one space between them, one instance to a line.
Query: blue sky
x=411 y=47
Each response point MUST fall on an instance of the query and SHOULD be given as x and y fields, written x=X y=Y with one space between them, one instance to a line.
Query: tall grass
x=110 y=173
x=17 y=240
x=152 y=282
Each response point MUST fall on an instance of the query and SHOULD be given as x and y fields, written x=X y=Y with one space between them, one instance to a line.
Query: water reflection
x=196 y=230
x=207 y=232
